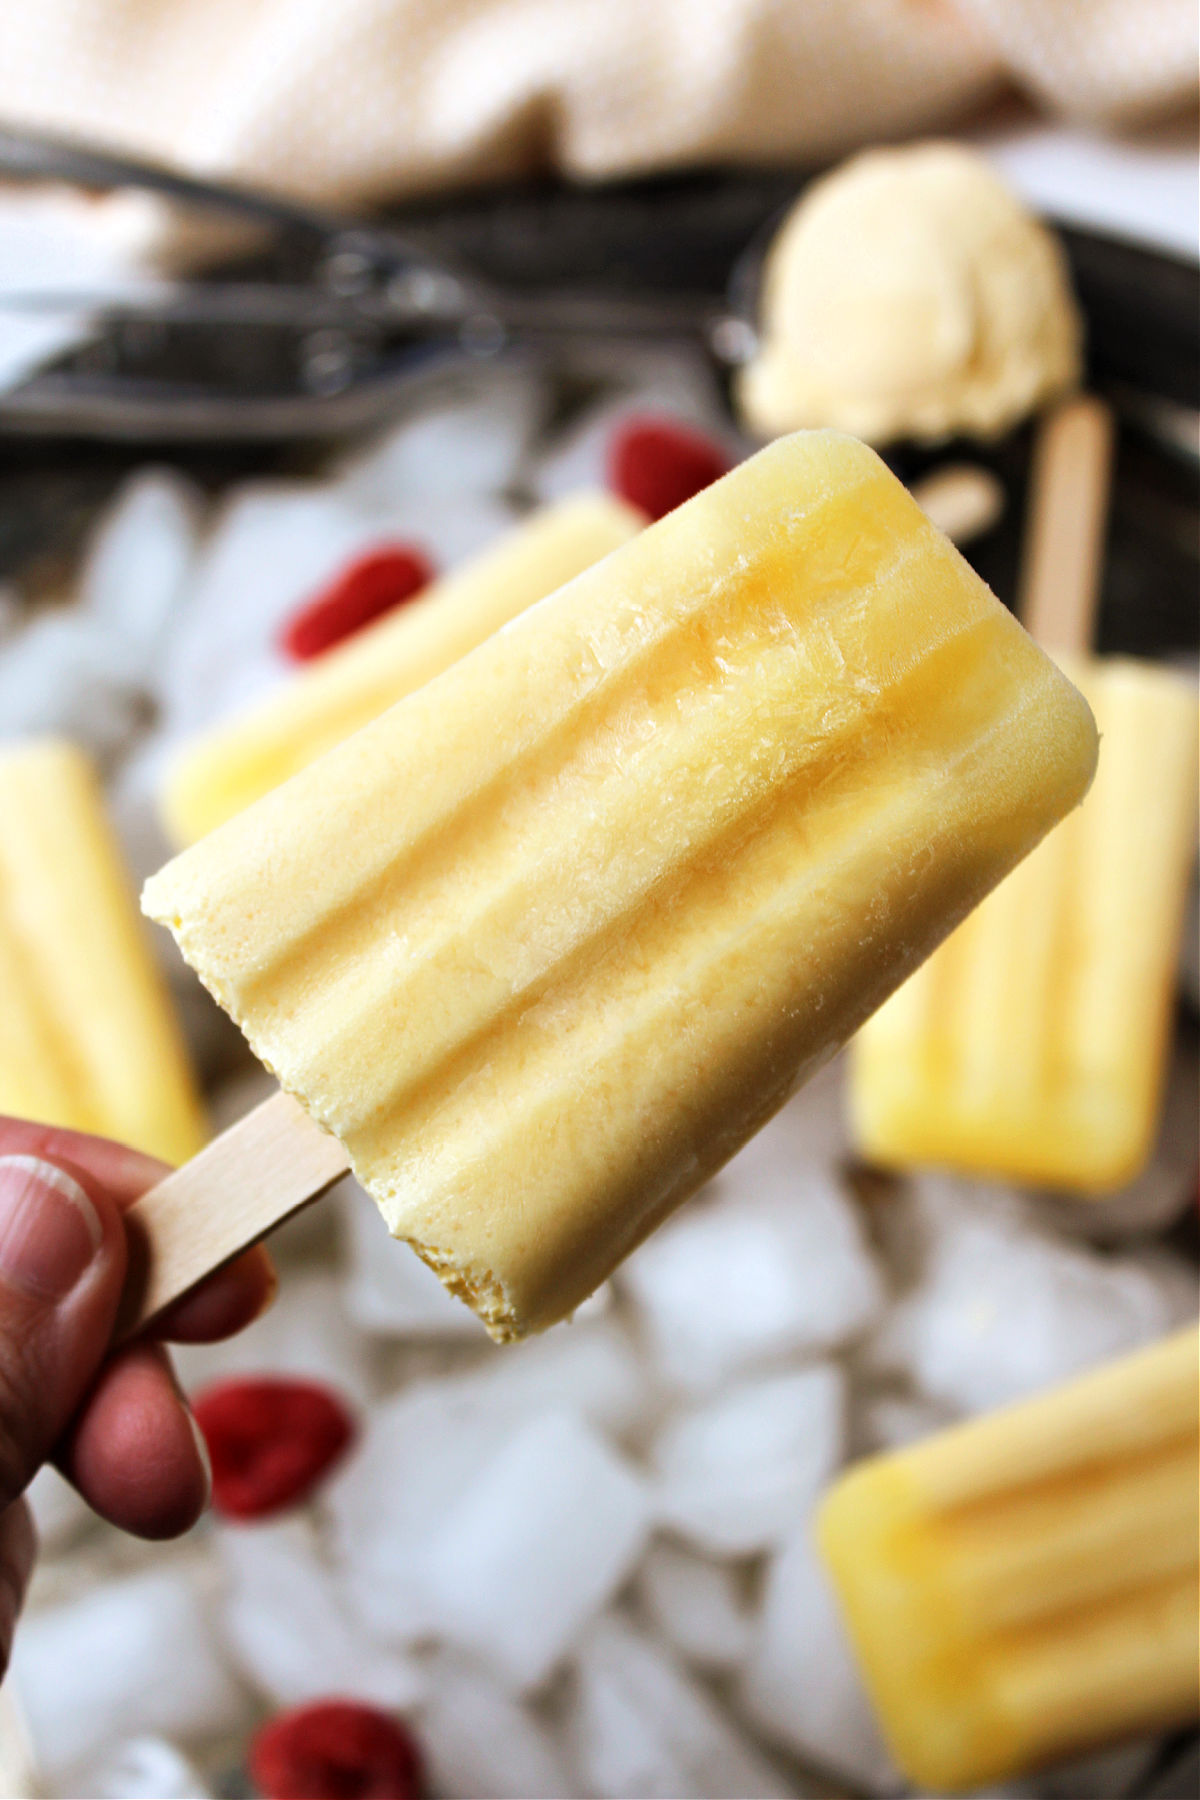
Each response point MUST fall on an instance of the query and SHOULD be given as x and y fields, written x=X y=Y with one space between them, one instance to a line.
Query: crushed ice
x=583 y=1565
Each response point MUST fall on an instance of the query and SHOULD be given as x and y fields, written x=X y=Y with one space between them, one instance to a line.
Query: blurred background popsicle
x=731 y=786
x=1034 y=1044
x=1024 y=1586
x=87 y=1038
x=240 y=760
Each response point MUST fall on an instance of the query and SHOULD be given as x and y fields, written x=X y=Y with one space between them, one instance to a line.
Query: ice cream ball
x=911 y=294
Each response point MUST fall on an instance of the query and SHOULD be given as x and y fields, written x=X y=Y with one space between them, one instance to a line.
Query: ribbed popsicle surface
x=550 y=939
x=1024 y=1586
x=1034 y=1043
x=239 y=761
x=86 y=1036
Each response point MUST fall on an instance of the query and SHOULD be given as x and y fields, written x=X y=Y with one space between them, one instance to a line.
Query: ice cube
x=769 y=1262
x=1003 y=1307
x=289 y=1628
x=588 y=1366
x=1172 y=1274
x=698 y=1606
x=59 y=1512
x=144 y=1768
x=815 y=1120
x=801 y=1687
x=661 y=385
x=64 y=674
x=1110 y=1772
x=639 y=1729
x=273 y=545
x=546 y=1533
x=735 y=1472
x=131 y=1657
x=18 y=1777
x=889 y=1421
x=305 y=1333
x=469 y=439
x=133 y=802
x=389 y=1289
x=479 y=1740
x=138 y=562
x=1123 y=1770
x=418 y=1453
x=426 y=1445
x=55 y=241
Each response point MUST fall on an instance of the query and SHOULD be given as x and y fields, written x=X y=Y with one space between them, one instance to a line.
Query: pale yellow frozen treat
x=1023 y=1587
x=241 y=759
x=911 y=294
x=87 y=1037
x=1034 y=1044
x=545 y=943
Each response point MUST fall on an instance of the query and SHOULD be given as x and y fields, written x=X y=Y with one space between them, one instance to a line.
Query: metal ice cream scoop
x=355 y=316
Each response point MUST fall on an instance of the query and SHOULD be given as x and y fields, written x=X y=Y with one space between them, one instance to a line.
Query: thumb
x=62 y=1262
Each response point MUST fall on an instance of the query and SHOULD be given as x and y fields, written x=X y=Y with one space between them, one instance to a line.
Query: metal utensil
x=356 y=318
x=362 y=314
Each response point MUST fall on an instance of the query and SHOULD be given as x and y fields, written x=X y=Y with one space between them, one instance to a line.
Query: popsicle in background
x=1034 y=1044
x=239 y=761
x=87 y=1037
x=1023 y=1587
x=544 y=944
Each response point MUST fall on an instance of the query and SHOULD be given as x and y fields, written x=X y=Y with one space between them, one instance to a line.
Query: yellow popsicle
x=242 y=759
x=87 y=1037
x=1034 y=1044
x=546 y=942
x=1024 y=1587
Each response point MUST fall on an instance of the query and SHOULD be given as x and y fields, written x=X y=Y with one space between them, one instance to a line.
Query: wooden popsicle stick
x=1064 y=535
x=962 y=499
x=248 y=1180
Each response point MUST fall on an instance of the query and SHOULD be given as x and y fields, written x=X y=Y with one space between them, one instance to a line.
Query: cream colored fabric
x=1111 y=60
x=357 y=99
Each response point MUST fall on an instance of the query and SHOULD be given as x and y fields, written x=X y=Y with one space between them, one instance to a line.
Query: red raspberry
x=366 y=589
x=335 y=1750
x=657 y=464
x=270 y=1440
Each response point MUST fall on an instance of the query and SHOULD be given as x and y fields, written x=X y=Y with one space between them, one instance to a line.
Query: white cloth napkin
x=354 y=100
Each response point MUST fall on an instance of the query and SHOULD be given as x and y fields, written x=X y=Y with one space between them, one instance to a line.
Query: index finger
x=221 y=1306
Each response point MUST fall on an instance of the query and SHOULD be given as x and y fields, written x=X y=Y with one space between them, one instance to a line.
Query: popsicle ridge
x=525 y=1083
x=621 y=698
x=1072 y=960
x=546 y=692
x=419 y=858
x=508 y=985
x=544 y=943
x=566 y=810
x=1023 y=1585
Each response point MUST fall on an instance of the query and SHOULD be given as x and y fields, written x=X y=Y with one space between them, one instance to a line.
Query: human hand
x=114 y=1421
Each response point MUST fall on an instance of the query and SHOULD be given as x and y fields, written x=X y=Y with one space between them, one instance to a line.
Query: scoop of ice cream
x=911 y=294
